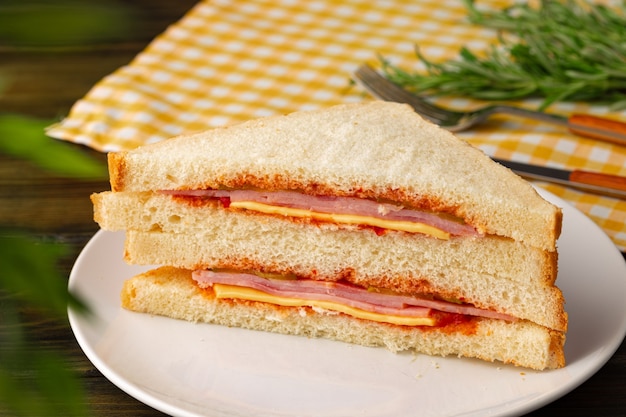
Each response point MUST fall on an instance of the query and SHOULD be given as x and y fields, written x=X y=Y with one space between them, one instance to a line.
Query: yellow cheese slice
x=243 y=293
x=399 y=225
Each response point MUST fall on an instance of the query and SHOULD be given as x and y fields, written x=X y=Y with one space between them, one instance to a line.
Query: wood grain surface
x=45 y=82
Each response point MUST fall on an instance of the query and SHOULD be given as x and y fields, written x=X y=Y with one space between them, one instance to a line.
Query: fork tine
x=456 y=121
x=378 y=86
x=383 y=89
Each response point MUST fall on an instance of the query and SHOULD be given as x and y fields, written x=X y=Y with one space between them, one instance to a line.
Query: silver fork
x=598 y=128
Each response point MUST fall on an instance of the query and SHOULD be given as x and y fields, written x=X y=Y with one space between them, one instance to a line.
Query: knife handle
x=606 y=130
x=602 y=180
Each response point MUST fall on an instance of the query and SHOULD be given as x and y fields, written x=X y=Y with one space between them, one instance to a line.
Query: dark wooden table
x=45 y=82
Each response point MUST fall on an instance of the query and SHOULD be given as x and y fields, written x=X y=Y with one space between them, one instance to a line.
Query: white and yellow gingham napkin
x=228 y=61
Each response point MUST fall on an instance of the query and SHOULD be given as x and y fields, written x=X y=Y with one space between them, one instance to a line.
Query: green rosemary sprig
x=562 y=50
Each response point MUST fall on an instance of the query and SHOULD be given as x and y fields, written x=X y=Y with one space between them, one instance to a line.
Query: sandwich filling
x=369 y=304
x=342 y=210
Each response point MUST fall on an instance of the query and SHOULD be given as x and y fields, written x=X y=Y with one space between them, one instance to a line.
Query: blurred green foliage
x=24 y=137
x=39 y=283
x=62 y=22
x=34 y=382
x=30 y=277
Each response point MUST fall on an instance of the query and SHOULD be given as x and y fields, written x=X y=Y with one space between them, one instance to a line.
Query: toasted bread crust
x=117 y=170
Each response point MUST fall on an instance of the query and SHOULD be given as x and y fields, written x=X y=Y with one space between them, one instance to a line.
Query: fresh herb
x=566 y=50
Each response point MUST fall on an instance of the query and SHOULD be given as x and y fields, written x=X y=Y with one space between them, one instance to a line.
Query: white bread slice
x=150 y=212
x=171 y=292
x=374 y=262
x=371 y=150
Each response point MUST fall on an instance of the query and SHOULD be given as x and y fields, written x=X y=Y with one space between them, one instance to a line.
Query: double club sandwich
x=361 y=223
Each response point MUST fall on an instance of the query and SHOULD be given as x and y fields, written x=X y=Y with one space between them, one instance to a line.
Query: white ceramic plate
x=187 y=369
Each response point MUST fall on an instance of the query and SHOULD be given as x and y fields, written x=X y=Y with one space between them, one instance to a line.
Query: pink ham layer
x=345 y=294
x=335 y=205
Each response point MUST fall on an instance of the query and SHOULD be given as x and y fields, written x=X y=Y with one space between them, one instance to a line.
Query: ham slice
x=346 y=294
x=335 y=205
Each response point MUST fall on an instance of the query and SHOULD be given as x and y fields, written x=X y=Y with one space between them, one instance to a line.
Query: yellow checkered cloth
x=228 y=61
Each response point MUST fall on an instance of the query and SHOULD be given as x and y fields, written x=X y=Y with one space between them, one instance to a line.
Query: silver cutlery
x=595 y=127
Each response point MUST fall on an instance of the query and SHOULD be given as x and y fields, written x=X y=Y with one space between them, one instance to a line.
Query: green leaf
x=28 y=268
x=24 y=137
